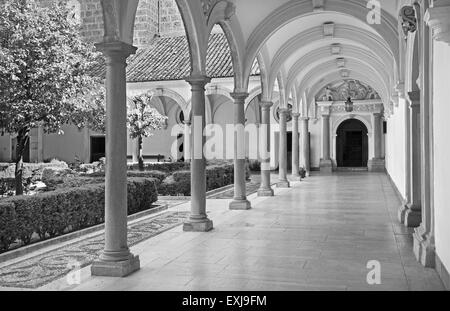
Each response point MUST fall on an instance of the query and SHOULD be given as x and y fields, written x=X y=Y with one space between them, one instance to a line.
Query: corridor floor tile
x=324 y=233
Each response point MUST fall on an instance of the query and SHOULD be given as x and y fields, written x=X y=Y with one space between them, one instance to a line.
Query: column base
x=413 y=217
x=240 y=205
x=283 y=184
x=115 y=268
x=263 y=192
x=296 y=177
x=424 y=249
x=326 y=166
x=198 y=226
x=376 y=165
x=401 y=213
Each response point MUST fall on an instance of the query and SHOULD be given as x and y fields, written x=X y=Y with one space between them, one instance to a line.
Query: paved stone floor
x=318 y=235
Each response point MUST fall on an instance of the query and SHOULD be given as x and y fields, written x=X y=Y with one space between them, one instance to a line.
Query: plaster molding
x=438 y=18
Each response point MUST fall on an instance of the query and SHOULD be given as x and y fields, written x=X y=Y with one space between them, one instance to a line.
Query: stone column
x=424 y=241
x=377 y=163
x=412 y=211
x=295 y=147
x=265 y=190
x=240 y=201
x=404 y=205
x=282 y=177
x=325 y=162
x=187 y=141
x=198 y=220
x=116 y=259
x=305 y=145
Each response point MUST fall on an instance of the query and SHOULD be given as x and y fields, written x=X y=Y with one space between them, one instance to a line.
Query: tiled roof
x=168 y=59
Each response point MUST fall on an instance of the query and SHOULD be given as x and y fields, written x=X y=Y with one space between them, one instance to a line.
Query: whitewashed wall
x=441 y=113
x=395 y=150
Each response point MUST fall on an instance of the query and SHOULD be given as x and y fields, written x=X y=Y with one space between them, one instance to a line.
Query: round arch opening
x=352 y=144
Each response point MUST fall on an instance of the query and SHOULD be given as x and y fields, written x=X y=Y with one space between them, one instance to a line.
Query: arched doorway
x=352 y=146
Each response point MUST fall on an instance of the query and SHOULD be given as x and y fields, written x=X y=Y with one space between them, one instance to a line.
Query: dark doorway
x=97 y=148
x=352 y=144
x=289 y=150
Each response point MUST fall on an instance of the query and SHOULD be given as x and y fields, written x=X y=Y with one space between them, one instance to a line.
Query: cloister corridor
x=317 y=235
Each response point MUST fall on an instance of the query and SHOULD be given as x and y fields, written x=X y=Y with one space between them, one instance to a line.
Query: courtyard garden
x=59 y=199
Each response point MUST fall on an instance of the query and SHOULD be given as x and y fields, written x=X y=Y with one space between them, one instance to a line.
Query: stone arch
x=358 y=158
x=176 y=97
x=318 y=74
x=254 y=94
x=193 y=20
x=118 y=20
x=222 y=14
x=356 y=36
x=310 y=97
x=344 y=118
x=322 y=55
x=217 y=89
x=295 y=9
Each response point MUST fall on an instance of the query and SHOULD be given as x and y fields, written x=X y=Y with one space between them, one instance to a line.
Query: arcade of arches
x=392 y=61
x=397 y=65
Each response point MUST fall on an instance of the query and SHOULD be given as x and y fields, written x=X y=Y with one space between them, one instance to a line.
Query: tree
x=46 y=73
x=142 y=119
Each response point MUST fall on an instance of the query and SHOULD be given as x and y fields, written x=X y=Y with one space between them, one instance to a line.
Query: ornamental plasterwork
x=357 y=108
x=341 y=90
x=408 y=20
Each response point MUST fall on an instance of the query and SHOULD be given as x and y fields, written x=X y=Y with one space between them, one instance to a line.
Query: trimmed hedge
x=218 y=175
x=30 y=170
x=54 y=213
x=167 y=167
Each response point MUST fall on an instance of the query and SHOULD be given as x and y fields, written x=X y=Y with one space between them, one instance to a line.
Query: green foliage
x=218 y=175
x=168 y=167
x=65 y=210
x=142 y=118
x=46 y=69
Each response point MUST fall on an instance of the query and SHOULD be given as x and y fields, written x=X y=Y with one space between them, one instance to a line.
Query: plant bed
x=29 y=219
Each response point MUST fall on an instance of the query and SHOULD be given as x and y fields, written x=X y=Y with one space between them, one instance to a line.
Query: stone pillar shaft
x=325 y=162
x=424 y=244
x=282 y=178
x=187 y=141
x=295 y=146
x=116 y=259
x=415 y=205
x=305 y=145
x=377 y=135
x=198 y=220
x=264 y=149
x=240 y=201
x=377 y=163
x=326 y=137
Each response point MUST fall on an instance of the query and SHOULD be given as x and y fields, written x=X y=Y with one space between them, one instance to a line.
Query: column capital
x=306 y=119
x=414 y=96
x=116 y=49
x=437 y=18
x=239 y=97
x=283 y=111
x=265 y=104
x=296 y=115
x=377 y=114
x=198 y=80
